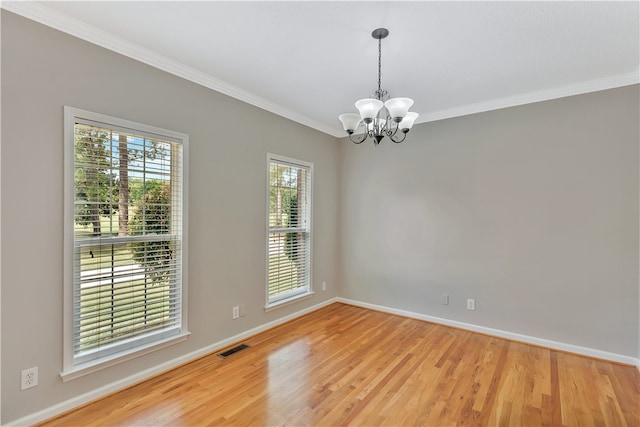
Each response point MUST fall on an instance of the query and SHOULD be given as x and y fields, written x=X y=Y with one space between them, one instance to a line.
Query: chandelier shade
x=378 y=115
x=398 y=107
x=350 y=121
x=407 y=121
x=369 y=108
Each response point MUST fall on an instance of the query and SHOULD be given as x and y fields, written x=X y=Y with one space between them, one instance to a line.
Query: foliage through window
x=289 y=224
x=127 y=236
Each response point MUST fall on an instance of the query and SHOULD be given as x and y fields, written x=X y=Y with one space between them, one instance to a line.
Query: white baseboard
x=555 y=345
x=171 y=364
x=85 y=398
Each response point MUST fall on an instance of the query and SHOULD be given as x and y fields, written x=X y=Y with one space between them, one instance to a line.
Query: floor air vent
x=233 y=350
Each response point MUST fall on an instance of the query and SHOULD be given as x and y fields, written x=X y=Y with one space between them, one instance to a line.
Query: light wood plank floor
x=344 y=365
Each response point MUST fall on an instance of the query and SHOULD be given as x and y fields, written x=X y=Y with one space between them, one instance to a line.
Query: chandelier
x=379 y=115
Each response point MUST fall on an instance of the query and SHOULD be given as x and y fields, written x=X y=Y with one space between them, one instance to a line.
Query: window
x=289 y=229
x=125 y=228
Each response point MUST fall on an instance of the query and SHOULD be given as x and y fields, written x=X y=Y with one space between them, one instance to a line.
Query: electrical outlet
x=471 y=304
x=243 y=310
x=444 y=299
x=324 y=286
x=29 y=378
x=236 y=312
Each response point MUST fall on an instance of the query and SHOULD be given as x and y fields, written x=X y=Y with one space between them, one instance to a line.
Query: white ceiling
x=309 y=61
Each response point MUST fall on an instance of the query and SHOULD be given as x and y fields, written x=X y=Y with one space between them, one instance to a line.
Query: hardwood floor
x=344 y=365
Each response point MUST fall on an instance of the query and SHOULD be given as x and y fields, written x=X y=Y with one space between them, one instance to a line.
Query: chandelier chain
x=380 y=68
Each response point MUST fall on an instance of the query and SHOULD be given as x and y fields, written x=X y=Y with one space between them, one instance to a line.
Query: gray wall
x=532 y=211
x=43 y=70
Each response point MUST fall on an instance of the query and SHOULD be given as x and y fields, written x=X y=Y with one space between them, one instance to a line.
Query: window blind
x=289 y=224
x=127 y=239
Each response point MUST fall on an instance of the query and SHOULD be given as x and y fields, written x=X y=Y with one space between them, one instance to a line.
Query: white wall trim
x=107 y=389
x=171 y=364
x=555 y=345
x=51 y=18
x=588 y=86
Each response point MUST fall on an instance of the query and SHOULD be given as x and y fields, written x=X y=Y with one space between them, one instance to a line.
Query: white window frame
x=307 y=291
x=73 y=368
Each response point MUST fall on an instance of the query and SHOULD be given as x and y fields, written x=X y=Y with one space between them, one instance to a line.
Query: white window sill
x=96 y=365
x=288 y=301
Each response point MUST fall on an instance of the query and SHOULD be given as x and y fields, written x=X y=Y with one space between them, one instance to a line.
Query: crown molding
x=589 y=86
x=596 y=85
x=51 y=18
x=76 y=28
